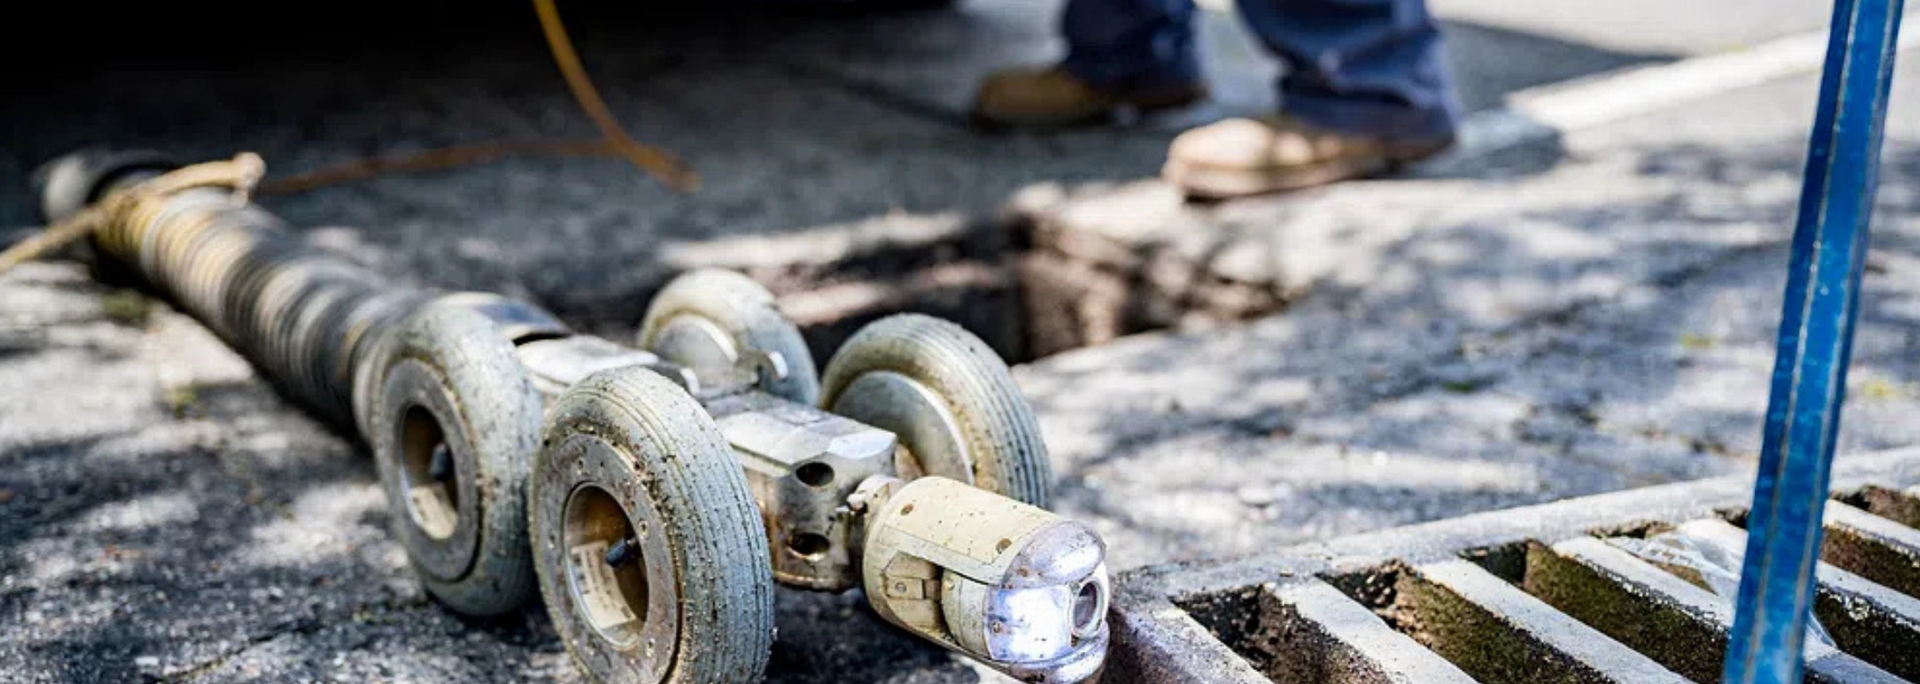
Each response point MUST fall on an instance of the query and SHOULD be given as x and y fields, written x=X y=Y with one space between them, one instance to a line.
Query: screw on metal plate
x=440 y=465
x=623 y=552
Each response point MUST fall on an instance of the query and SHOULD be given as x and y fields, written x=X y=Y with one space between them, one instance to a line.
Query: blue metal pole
x=1816 y=341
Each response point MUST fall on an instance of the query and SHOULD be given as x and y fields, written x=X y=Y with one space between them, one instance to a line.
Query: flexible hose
x=307 y=319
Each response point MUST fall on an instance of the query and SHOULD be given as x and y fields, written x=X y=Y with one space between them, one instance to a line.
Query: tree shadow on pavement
x=1594 y=338
x=799 y=120
x=247 y=543
x=231 y=538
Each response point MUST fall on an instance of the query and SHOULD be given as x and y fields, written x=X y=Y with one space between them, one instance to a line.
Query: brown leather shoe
x=1241 y=157
x=1053 y=98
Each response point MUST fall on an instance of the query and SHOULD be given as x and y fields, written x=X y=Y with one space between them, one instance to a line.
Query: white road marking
x=1541 y=112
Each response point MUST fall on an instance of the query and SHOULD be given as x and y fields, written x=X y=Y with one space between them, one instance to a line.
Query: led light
x=1022 y=590
x=1028 y=625
x=1044 y=623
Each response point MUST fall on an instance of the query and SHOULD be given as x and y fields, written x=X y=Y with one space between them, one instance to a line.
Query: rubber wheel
x=949 y=398
x=628 y=457
x=452 y=431
x=701 y=318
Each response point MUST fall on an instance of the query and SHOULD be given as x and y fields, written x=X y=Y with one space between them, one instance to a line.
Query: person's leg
x=1130 y=44
x=1368 y=67
x=1135 y=54
x=1365 y=91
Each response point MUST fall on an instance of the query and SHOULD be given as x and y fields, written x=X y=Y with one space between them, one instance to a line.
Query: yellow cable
x=239 y=174
x=662 y=165
x=656 y=162
x=437 y=159
x=55 y=236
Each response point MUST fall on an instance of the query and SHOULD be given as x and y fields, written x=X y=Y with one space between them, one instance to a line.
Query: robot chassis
x=643 y=491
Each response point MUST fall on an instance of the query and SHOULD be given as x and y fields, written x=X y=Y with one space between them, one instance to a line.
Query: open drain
x=1010 y=284
x=1053 y=270
x=1544 y=593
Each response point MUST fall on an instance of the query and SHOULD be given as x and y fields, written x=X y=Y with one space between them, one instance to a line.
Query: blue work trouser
x=1363 y=66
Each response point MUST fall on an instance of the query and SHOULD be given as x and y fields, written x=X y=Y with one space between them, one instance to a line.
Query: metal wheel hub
x=696 y=343
x=608 y=538
x=927 y=428
x=432 y=471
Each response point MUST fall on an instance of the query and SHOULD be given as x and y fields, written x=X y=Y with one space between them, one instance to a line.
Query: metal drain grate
x=1536 y=594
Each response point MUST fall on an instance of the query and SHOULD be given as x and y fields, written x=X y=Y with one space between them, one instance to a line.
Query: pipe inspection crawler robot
x=653 y=493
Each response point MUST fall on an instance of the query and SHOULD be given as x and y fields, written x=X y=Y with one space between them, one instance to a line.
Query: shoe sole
x=1212 y=183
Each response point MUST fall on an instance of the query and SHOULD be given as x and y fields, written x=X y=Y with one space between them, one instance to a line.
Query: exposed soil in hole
x=1269 y=634
x=1506 y=561
x=1375 y=588
x=1008 y=281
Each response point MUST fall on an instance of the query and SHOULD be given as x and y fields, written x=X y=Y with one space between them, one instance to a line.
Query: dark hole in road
x=1026 y=301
